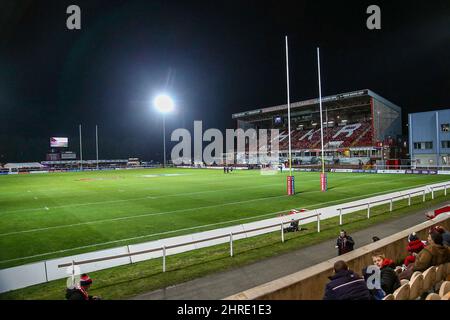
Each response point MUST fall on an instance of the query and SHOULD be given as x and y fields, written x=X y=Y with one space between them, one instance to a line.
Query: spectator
x=445 y=234
x=80 y=292
x=377 y=294
x=344 y=243
x=293 y=227
x=432 y=255
x=346 y=285
x=415 y=245
x=435 y=253
x=389 y=279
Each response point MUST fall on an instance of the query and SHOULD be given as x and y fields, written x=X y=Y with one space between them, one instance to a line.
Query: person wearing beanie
x=415 y=245
x=80 y=292
x=445 y=234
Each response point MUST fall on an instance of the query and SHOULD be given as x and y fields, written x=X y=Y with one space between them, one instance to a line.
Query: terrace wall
x=309 y=284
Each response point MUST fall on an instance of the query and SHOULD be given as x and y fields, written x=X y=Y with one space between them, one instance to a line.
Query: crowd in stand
x=345 y=284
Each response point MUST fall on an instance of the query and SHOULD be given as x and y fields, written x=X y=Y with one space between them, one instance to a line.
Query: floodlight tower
x=164 y=104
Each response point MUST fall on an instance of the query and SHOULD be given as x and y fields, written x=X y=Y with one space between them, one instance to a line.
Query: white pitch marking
x=198 y=208
x=143 y=198
x=191 y=228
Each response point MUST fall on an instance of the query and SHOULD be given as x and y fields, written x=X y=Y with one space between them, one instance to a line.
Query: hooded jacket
x=346 y=285
x=431 y=255
x=415 y=246
x=389 y=279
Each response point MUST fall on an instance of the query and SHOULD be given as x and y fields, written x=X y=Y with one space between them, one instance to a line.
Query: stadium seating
x=422 y=283
x=433 y=296
x=402 y=293
x=429 y=278
x=389 y=297
x=352 y=135
x=444 y=288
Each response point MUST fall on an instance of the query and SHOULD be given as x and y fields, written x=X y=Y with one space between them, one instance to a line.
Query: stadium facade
x=429 y=138
x=360 y=127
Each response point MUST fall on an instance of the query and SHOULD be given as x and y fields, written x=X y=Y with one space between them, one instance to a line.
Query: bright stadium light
x=164 y=104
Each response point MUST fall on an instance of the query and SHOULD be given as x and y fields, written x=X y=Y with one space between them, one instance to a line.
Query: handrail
x=181 y=244
x=391 y=198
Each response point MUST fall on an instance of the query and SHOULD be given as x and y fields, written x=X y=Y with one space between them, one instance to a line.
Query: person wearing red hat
x=415 y=245
x=80 y=292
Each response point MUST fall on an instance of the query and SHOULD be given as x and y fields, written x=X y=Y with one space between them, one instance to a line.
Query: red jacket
x=388 y=263
x=409 y=259
x=415 y=246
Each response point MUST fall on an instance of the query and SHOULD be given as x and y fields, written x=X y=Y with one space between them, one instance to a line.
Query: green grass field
x=53 y=215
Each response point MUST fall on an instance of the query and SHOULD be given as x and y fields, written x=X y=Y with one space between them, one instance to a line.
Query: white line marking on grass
x=189 y=209
x=139 y=216
x=316 y=206
x=143 y=198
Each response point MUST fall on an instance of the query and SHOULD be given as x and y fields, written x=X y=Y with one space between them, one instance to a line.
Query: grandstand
x=360 y=127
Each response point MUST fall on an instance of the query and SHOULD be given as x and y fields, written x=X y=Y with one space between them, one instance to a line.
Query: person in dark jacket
x=344 y=243
x=346 y=285
x=80 y=292
x=389 y=278
x=377 y=294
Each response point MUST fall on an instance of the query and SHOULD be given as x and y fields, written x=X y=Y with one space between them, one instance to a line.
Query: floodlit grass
x=127 y=281
x=54 y=215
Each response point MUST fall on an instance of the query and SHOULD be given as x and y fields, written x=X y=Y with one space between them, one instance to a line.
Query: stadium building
x=429 y=138
x=360 y=128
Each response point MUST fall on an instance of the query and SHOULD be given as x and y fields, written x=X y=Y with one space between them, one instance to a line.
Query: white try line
x=318 y=205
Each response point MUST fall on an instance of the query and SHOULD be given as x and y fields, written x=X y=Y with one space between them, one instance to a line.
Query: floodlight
x=163 y=103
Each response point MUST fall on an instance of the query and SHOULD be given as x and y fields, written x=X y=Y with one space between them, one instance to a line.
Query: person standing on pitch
x=344 y=243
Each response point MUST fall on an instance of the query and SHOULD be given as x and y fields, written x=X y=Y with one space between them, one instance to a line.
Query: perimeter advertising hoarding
x=58 y=142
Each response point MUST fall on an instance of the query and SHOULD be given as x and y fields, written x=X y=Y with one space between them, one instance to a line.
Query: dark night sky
x=215 y=57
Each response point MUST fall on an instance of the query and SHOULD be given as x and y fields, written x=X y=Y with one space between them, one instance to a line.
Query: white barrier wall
x=35 y=273
x=22 y=276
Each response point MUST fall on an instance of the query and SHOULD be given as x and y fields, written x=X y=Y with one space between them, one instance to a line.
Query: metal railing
x=165 y=248
x=391 y=201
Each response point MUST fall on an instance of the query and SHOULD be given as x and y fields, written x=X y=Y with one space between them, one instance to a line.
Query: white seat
x=429 y=278
x=416 y=287
x=445 y=288
x=402 y=293
x=446 y=297
x=415 y=274
x=390 y=296
x=440 y=272
x=433 y=296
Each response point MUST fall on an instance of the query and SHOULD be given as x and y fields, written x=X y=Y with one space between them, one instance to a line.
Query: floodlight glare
x=163 y=103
